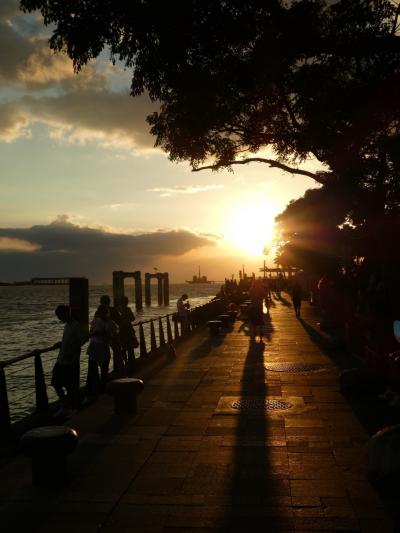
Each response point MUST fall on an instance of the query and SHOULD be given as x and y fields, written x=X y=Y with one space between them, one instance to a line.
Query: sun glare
x=250 y=228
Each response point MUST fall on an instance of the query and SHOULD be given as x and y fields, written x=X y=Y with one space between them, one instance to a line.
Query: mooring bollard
x=243 y=310
x=225 y=319
x=214 y=327
x=125 y=391
x=48 y=447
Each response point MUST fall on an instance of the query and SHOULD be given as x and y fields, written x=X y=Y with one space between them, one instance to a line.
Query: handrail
x=158 y=344
x=9 y=362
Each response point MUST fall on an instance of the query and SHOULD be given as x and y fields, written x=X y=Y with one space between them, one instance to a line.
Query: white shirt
x=71 y=343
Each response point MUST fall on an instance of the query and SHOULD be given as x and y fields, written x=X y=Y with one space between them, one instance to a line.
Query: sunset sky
x=83 y=191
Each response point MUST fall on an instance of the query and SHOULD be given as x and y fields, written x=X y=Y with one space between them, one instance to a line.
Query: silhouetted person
x=101 y=332
x=115 y=316
x=127 y=336
x=183 y=307
x=297 y=295
x=256 y=314
x=65 y=379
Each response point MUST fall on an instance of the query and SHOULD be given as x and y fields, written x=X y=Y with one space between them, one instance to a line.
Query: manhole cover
x=294 y=367
x=254 y=404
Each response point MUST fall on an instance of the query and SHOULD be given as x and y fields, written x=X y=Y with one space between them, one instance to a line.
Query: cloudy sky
x=83 y=190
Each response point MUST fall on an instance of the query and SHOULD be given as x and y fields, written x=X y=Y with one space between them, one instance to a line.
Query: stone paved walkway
x=206 y=452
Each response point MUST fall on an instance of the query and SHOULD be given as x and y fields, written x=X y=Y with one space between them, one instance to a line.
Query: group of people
x=260 y=293
x=110 y=328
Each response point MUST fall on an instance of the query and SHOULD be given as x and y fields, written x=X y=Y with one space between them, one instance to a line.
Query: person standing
x=114 y=315
x=297 y=295
x=127 y=336
x=183 y=307
x=65 y=378
x=256 y=312
x=102 y=330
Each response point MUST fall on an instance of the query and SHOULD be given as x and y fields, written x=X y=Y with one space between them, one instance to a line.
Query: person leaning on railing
x=183 y=307
x=65 y=379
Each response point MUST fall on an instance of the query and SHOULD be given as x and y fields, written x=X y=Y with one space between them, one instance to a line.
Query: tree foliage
x=310 y=78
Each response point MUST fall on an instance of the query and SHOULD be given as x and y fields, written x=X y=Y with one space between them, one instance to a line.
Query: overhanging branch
x=320 y=177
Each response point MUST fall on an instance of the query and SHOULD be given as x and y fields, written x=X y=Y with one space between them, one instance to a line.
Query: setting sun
x=250 y=228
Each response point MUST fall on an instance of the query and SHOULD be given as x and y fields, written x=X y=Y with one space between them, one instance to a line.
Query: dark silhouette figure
x=115 y=316
x=65 y=379
x=297 y=296
x=127 y=337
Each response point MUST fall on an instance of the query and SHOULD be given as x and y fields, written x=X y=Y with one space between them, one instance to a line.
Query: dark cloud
x=65 y=249
x=113 y=119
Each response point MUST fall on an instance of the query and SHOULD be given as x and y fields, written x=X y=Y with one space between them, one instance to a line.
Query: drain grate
x=295 y=367
x=260 y=404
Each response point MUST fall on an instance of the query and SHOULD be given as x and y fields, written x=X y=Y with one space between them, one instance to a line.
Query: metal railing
x=154 y=336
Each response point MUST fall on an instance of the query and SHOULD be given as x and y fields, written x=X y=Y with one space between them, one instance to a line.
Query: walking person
x=256 y=312
x=297 y=295
x=102 y=330
x=65 y=379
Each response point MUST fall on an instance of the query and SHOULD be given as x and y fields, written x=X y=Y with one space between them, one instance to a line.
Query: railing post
x=153 y=341
x=138 y=290
x=5 y=421
x=161 y=332
x=42 y=402
x=170 y=338
x=142 y=341
x=176 y=330
x=160 y=288
x=147 y=289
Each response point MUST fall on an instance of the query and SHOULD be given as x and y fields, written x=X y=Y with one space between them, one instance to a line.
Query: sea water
x=27 y=322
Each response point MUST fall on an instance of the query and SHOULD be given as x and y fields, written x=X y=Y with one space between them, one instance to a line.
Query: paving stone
x=181 y=465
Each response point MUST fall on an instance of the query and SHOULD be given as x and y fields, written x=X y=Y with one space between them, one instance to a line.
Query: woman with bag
x=127 y=336
x=102 y=330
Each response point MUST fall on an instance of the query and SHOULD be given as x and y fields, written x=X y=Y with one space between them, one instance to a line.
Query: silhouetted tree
x=309 y=231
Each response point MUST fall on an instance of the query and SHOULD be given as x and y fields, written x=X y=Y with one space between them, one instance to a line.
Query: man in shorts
x=65 y=378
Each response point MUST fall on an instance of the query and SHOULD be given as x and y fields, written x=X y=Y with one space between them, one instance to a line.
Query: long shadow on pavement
x=256 y=484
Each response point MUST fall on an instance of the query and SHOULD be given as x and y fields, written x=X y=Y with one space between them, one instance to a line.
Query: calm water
x=27 y=321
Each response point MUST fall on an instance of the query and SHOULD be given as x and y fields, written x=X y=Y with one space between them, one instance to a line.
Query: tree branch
x=320 y=177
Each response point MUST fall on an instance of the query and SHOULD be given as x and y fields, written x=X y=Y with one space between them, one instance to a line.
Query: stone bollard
x=384 y=452
x=225 y=319
x=243 y=310
x=125 y=391
x=214 y=327
x=49 y=446
x=232 y=315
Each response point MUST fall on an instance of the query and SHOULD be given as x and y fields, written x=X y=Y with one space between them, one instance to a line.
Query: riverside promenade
x=229 y=437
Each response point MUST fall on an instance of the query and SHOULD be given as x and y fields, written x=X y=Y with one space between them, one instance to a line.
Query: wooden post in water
x=118 y=287
x=166 y=288
x=79 y=301
x=147 y=289
x=42 y=402
x=138 y=290
x=160 y=288
x=5 y=422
